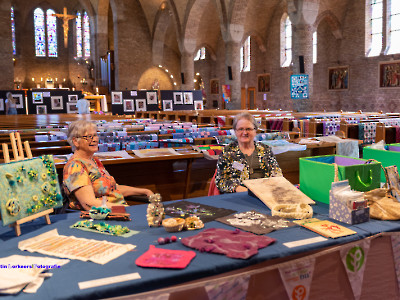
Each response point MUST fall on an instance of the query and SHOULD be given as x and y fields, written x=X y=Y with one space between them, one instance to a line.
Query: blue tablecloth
x=64 y=283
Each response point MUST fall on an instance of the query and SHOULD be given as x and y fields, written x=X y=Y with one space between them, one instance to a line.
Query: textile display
x=317 y=174
x=348 y=148
x=165 y=258
x=184 y=209
x=275 y=124
x=51 y=243
x=330 y=127
x=256 y=222
x=354 y=259
x=28 y=187
x=233 y=244
x=367 y=132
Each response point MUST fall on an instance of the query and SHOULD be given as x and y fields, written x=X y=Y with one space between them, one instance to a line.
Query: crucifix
x=65 y=17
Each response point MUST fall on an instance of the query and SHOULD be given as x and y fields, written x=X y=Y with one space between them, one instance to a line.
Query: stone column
x=232 y=62
x=6 y=51
x=187 y=68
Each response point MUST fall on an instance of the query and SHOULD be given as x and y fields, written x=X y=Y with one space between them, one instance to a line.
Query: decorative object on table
x=346 y=205
x=166 y=240
x=173 y=224
x=318 y=172
x=99 y=213
x=234 y=244
x=382 y=205
x=155 y=211
x=255 y=222
x=104 y=228
x=165 y=258
x=325 y=228
x=51 y=243
x=276 y=190
x=193 y=222
x=29 y=189
x=292 y=211
x=184 y=209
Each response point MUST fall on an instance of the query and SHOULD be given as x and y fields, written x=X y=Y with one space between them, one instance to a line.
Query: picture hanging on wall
x=167 y=105
x=41 y=109
x=128 y=105
x=188 y=98
x=37 y=98
x=198 y=105
x=116 y=97
x=19 y=103
x=264 y=83
x=214 y=86
x=338 y=78
x=72 y=98
x=389 y=74
x=72 y=108
x=151 y=97
x=178 y=98
x=57 y=103
x=1 y=104
x=140 y=105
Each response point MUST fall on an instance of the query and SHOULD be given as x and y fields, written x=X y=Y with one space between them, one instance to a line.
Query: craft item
x=104 y=228
x=276 y=190
x=166 y=240
x=326 y=228
x=28 y=187
x=292 y=211
x=99 y=213
x=118 y=213
x=155 y=211
x=234 y=244
x=255 y=222
x=173 y=224
x=164 y=258
x=184 y=209
x=193 y=222
x=51 y=243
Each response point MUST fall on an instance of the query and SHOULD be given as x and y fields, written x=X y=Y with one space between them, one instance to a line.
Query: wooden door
x=251 y=97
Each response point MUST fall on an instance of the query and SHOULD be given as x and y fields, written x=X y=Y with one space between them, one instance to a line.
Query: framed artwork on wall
x=72 y=108
x=264 y=83
x=1 y=104
x=178 y=99
x=57 y=103
x=198 y=105
x=19 y=103
x=116 y=97
x=188 y=98
x=37 y=98
x=151 y=97
x=167 y=105
x=128 y=105
x=140 y=104
x=214 y=86
x=338 y=78
x=72 y=98
x=389 y=74
x=41 y=109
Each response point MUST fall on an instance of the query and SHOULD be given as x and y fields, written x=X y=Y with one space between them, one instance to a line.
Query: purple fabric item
x=394 y=148
x=348 y=161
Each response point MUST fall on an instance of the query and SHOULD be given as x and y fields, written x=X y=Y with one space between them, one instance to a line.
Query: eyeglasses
x=89 y=137
x=247 y=130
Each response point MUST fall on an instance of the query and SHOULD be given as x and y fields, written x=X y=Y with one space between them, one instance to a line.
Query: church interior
x=245 y=149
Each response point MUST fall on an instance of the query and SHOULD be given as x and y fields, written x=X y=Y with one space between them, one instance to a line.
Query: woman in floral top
x=86 y=181
x=244 y=158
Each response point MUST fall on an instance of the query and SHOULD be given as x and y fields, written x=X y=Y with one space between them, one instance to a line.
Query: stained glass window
x=245 y=56
x=376 y=29
x=394 y=27
x=287 y=42
x=13 y=31
x=51 y=33
x=314 y=41
x=86 y=34
x=40 y=41
x=78 y=22
x=200 y=54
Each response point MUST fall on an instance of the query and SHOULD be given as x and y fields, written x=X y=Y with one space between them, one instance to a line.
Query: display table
x=329 y=279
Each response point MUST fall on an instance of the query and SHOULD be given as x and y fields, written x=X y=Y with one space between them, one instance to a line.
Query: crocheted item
x=164 y=258
x=234 y=244
x=292 y=211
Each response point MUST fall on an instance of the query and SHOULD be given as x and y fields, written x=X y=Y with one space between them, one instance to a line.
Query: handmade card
x=184 y=209
x=28 y=187
x=326 y=228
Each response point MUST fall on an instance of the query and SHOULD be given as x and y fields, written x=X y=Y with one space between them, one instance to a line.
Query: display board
x=52 y=101
x=18 y=95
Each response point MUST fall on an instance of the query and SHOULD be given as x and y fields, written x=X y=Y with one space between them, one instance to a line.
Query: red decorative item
x=164 y=258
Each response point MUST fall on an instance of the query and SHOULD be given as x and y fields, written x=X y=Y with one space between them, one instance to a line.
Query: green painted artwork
x=355 y=259
x=28 y=187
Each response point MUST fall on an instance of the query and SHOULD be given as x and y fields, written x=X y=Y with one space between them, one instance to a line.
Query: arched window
x=374 y=30
x=82 y=34
x=45 y=25
x=286 y=41
x=200 y=54
x=394 y=30
x=314 y=43
x=245 y=56
x=13 y=31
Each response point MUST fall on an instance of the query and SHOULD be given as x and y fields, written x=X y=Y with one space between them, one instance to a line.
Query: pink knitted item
x=234 y=244
x=165 y=258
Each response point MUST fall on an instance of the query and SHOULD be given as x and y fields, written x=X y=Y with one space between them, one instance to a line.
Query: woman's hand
x=240 y=188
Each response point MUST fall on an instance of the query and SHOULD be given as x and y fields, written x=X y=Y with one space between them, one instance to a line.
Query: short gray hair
x=244 y=115
x=77 y=129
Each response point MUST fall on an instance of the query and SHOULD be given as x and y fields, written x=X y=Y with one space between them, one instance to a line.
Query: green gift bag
x=318 y=172
x=387 y=158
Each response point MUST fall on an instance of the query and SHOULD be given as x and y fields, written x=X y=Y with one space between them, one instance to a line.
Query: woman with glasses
x=244 y=159
x=86 y=181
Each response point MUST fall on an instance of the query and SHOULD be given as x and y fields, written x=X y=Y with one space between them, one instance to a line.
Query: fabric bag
x=382 y=205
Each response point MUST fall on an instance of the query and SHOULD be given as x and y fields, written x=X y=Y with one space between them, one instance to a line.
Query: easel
x=18 y=153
